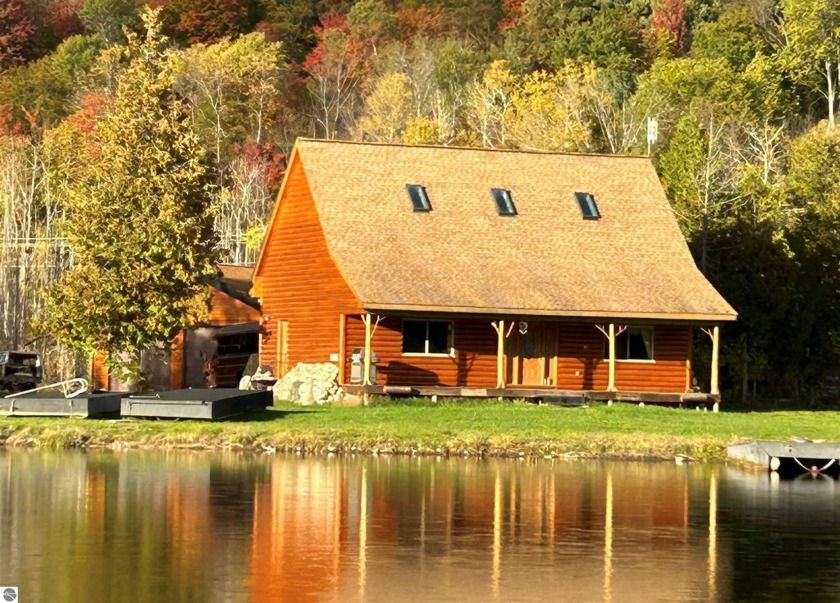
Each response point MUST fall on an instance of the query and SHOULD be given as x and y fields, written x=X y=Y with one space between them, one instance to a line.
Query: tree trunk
x=829 y=68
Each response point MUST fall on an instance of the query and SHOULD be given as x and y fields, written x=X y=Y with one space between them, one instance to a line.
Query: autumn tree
x=138 y=218
x=44 y=92
x=670 y=26
x=336 y=70
x=201 y=21
x=540 y=111
x=16 y=32
x=389 y=109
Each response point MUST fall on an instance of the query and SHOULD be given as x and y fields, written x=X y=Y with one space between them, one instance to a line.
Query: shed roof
x=235 y=281
x=238 y=278
x=462 y=256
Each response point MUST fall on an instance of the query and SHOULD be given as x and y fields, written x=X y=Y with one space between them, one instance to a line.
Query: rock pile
x=308 y=384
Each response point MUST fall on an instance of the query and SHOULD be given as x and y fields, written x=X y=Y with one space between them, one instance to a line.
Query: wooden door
x=533 y=352
x=532 y=357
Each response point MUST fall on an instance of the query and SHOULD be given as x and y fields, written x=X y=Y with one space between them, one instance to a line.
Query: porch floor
x=548 y=395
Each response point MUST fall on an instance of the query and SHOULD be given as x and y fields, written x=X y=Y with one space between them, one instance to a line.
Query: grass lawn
x=451 y=427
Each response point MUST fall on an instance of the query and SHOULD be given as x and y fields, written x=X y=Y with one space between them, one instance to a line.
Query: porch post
x=342 y=347
x=500 y=357
x=714 y=390
x=368 y=335
x=611 y=385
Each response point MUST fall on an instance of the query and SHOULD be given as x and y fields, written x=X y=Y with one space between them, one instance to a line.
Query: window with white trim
x=429 y=337
x=635 y=343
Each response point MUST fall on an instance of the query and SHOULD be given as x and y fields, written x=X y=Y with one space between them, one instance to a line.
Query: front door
x=531 y=354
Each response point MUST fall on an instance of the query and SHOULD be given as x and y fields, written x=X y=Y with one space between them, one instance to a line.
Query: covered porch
x=548 y=395
x=552 y=359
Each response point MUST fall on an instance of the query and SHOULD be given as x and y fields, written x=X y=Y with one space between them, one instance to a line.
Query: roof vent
x=419 y=197
x=588 y=207
x=504 y=202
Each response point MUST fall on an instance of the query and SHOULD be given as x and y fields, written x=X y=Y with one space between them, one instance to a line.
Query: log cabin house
x=484 y=272
x=226 y=341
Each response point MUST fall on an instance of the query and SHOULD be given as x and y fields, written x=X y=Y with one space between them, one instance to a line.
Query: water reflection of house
x=472 y=532
x=298 y=531
x=224 y=344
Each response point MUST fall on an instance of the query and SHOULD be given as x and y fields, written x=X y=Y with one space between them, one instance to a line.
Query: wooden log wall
x=100 y=377
x=474 y=363
x=580 y=363
x=226 y=310
x=299 y=282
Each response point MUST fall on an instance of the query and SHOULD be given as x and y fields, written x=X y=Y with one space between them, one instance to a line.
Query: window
x=427 y=337
x=636 y=343
x=588 y=207
x=419 y=197
x=504 y=202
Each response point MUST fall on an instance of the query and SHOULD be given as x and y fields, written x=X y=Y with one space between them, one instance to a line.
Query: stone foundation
x=308 y=384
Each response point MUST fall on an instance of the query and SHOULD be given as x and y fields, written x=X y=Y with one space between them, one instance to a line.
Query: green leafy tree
x=138 y=218
x=733 y=37
x=373 y=22
x=44 y=92
x=109 y=17
x=236 y=88
x=813 y=32
x=290 y=22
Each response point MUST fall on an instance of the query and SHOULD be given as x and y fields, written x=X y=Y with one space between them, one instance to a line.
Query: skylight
x=588 y=207
x=504 y=202
x=419 y=198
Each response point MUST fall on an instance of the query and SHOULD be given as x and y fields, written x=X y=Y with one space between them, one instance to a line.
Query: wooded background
x=744 y=93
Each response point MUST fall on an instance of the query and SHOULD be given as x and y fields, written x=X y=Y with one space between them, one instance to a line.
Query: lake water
x=175 y=526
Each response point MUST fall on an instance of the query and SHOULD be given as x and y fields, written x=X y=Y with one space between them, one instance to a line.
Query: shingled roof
x=462 y=256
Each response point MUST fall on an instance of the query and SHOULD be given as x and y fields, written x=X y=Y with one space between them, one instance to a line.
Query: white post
x=368 y=336
x=500 y=356
x=714 y=389
x=611 y=385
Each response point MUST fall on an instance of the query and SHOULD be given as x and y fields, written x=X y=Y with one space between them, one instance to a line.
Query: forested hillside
x=743 y=91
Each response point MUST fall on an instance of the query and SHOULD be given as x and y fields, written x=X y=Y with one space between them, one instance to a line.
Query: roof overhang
x=555 y=314
x=244 y=328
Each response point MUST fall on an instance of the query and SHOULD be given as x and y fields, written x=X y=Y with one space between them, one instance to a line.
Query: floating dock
x=54 y=404
x=208 y=404
x=789 y=457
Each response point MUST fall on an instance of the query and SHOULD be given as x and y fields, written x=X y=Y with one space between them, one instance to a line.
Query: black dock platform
x=54 y=404
x=208 y=404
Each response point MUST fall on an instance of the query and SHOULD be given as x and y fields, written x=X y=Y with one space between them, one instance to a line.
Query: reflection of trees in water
x=195 y=527
x=127 y=527
x=783 y=535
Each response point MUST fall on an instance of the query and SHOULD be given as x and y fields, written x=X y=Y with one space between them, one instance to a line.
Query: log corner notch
x=714 y=387
x=499 y=327
x=611 y=332
x=370 y=329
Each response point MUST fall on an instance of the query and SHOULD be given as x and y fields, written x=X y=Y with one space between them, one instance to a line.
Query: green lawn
x=455 y=427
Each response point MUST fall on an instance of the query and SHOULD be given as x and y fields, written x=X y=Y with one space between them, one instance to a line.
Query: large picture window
x=427 y=337
x=636 y=343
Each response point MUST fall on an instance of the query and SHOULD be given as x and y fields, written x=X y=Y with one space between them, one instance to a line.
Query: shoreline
x=624 y=447
x=454 y=428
